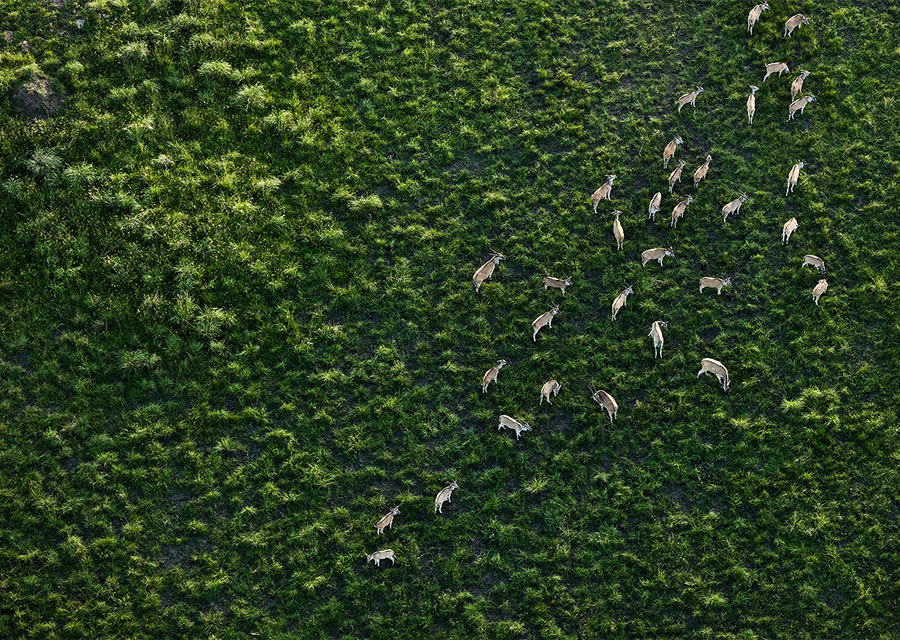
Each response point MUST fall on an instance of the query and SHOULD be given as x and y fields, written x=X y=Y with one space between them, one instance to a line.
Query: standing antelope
x=606 y=401
x=789 y=227
x=734 y=207
x=618 y=231
x=557 y=283
x=491 y=375
x=653 y=209
x=754 y=15
x=670 y=149
x=751 y=103
x=378 y=556
x=689 y=98
x=657 y=335
x=621 y=300
x=656 y=254
x=793 y=174
x=486 y=270
x=603 y=193
x=701 y=172
x=708 y=365
x=715 y=283
x=516 y=425
x=799 y=105
x=544 y=320
x=678 y=211
x=797 y=85
x=776 y=67
x=814 y=261
x=675 y=176
x=794 y=22
x=819 y=289
x=551 y=387
x=444 y=496
x=387 y=521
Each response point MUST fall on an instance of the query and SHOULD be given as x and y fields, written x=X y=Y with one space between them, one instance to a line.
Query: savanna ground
x=238 y=323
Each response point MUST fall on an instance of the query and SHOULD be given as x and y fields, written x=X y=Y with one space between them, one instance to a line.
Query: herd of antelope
x=552 y=387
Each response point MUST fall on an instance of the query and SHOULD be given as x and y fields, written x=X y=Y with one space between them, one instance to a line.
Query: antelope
x=794 y=22
x=387 y=521
x=515 y=425
x=444 y=496
x=734 y=207
x=797 y=85
x=670 y=149
x=557 y=283
x=789 y=227
x=793 y=174
x=776 y=67
x=701 y=172
x=678 y=211
x=544 y=320
x=551 y=387
x=689 y=98
x=799 y=104
x=653 y=209
x=675 y=176
x=656 y=254
x=491 y=375
x=819 y=289
x=486 y=270
x=618 y=232
x=621 y=300
x=603 y=193
x=657 y=335
x=754 y=15
x=751 y=103
x=814 y=261
x=715 y=283
x=708 y=365
x=378 y=556
x=606 y=401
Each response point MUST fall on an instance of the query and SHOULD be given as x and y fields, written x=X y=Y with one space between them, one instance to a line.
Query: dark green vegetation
x=238 y=323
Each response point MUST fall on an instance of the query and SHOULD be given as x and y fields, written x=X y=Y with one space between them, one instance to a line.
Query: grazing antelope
x=751 y=103
x=678 y=211
x=819 y=289
x=378 y=556
x=814 y=261
x=516 y=425
x=689 y=98
x=551 y=387
x=656 y=254
x=621 y=300
x=715 y=283
x=794 y=22
x=675 y=176
x=701 y=172
x=793 y=174
x=387 y=521
x=670 y=149
x=789 y=227
x=657 y=335
x=544 y=320
x=734 y=207
x=557 y=283
x=776 y=67
x=491 y=375
x=444 y=496
x=754 y=15
x=603 y=193
x=797 y=85
x=606 y=401
x=708 y=365
x=653 y=209
x=618 y=231
x=486 y=270
x=799 y=105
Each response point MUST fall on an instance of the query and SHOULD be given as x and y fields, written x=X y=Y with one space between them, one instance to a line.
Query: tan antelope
x=621 y=300
x=606 y=401
x=799 y=105
x=618 y=231
x=701 y=172
x=516 y=425
x=789 y=227
x=378 y=556
x=604 y=192
x=689 y=98
x=656 y=254
x=797 y=85
x=544 y=320
x=551 y=387
x=751 y=102
x=794 y=22
x=387 y=521
x=715 y=283
x=708 y=365
x=754 y=15
x=793 y=175
x=675 y=176
x=653 y=209
x=678 y=211
x=557 y=283
x=657 y=335
x=776 y=67
x=814 y=261
x=444 y=496
x=734 y=207
x=819 y=289
x=670 y=149
x=486 y=270
x=491 y=375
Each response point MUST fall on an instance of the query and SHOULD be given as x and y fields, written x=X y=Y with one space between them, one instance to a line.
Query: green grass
x=238 y=323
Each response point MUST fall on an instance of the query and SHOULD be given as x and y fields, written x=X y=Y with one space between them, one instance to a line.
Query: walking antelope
x=670 y=149
x=689 y=98
x=793 y=174
x=799 y=105
x=603 y=193
x=819 y=289
x=678 y=211
x=606 y=401
x=551 y=387
x=814 y=261
x=557 y=283
x=444 y=496
x=544 y=320
x=776 y=67
x=675 y=176
x=387 y=521
x=516 y=425
x=701 y=172
x=794 y=22
x=653 y=209
x=491 y=375
x=789 y=227
x=621 y=300
x=656 y=254
x=715 y=283
x=797 y=85
x=378 y=556
x=618 y=231
x=708 y=365
x=734 y=207
x=751 y=102
x=486 y=270
x=754 y=15
x=657 y=335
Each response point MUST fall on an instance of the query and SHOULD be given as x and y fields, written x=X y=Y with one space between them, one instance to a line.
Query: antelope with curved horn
x=670 y=149
x=776 y=67
x=544 y=320
x=797 y=85
x=814 y=261
x=793 y=175
x=689 y=98
x=653 y=209
x=678 y=211
x=621 y=300
x=603 y=193
x=551 y=387
x=656 y=254
x=387 y=521
x=444 y=496
x=734 y=207
x=657 y=335
x=799 y=105
x=378 y=556
x=789 y=227
x=675 y=176
x=818 y=290
x=714 y=283
x=557 y=283
x=753 y=16
x=516 y=425
x=794 y=22
x=605 y=400
x=700 y=173
x=491 y=375
x=751 y=103
x=486 y=270
x=708 y=365
x=618 y=231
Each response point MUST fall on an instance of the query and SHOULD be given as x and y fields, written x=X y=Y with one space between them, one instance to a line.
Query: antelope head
x=501 y=363
x=395 y=510
x=805 y=20
x=804 y=74
x=689 y=200
x=568 y=281
x=610 y=178
x=663 y=324
x=753 y=89
x=708 y=159
x=726 y=282
x=555 y=310
x=699 y=89
x=678 y=140
x=496 y=256
x=628 y=290
x=810 y=98
x=801 y=164
x=616 y=213
x=670 y=253
x=744 y=197
x=453 y=485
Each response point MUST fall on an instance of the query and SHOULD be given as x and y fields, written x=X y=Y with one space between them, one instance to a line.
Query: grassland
x=238 y=324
